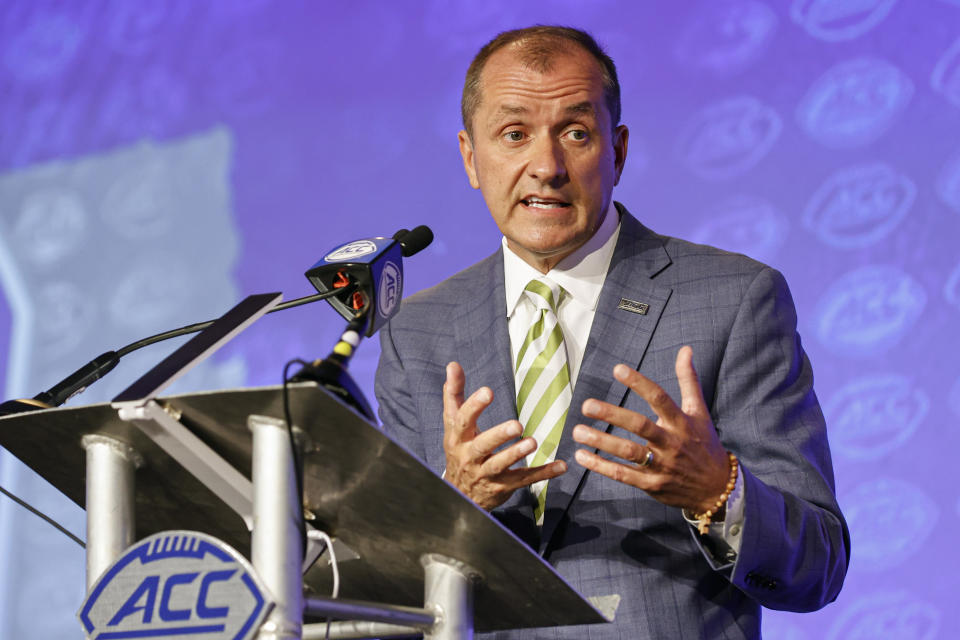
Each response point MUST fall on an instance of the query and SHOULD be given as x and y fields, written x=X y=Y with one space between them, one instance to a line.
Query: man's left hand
x=689 y=468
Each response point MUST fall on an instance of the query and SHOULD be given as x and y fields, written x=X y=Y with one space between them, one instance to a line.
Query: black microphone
x=376 y=267
x=415 y=241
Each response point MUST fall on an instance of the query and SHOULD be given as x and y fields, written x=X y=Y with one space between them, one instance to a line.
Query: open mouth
x=543 y=203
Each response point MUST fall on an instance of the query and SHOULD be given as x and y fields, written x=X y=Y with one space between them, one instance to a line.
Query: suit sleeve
x=397 y=409
x=795 y=545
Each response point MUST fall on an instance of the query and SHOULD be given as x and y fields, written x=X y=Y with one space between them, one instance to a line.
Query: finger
x=632 y=421
x=473 y=406
x=622 y=448
x=614 y=470
x=503 y=460
x=453 y=389
x=486 y=442
x=517 y=478
x=460 y=416
x=658 y=399
x=691 y=393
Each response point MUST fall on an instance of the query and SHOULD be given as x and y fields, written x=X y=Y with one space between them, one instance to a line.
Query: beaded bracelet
x=703 y=519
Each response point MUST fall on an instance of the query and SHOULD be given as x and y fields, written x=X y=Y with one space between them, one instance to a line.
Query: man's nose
x=547 y=162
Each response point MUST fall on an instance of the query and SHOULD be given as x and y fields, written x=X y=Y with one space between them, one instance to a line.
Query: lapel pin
x=633 y=306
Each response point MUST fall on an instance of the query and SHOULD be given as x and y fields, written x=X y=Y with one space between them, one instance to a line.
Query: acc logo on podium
x=176 y=583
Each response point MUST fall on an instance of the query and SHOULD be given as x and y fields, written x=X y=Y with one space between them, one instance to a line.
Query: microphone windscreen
x=414 y=241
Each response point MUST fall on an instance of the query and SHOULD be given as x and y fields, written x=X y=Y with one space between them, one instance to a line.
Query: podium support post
x=448 y=589
x=109 y=498
x=276 y=542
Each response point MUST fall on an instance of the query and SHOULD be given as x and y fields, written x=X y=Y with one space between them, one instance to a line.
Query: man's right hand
x=472 y=466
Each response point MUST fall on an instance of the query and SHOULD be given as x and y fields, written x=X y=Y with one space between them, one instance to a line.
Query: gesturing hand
x=683 y=463
x=472 y=466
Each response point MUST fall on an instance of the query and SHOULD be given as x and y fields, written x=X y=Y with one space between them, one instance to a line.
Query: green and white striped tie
x=543 y=381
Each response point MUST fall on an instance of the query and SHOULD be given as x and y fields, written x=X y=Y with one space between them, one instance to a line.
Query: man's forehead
x=509 y=78
x=583 y=107
x=520 y=57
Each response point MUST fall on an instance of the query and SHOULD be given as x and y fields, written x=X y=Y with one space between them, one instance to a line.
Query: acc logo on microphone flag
x=176 y=583
x=351 y=250
x=391 y=288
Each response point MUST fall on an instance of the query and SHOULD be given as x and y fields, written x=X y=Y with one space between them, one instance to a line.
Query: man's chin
x=546 y=250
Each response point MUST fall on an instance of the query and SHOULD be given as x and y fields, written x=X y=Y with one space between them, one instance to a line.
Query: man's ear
x=620 y=138
x=466 y=151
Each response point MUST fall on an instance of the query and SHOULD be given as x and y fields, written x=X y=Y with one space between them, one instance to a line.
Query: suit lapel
x=483 y=347
x=617 y=335
x=483 y=343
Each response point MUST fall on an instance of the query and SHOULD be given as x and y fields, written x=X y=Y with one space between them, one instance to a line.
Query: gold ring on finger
x=647 y=459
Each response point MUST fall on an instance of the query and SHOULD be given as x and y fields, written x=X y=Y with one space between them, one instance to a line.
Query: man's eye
x=578 y=134
x=514 y=136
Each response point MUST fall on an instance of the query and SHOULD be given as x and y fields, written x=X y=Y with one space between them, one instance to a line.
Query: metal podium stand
x=445 y=566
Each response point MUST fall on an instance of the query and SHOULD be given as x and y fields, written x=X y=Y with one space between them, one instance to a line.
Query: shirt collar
x=581 y=274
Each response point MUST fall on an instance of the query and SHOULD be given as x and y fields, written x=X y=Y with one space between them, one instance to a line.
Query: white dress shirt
x=581 y=274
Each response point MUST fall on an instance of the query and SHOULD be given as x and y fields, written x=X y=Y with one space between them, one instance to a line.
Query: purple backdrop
x=159 y=160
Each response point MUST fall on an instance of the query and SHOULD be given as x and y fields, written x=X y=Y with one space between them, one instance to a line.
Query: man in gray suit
x=696 y=513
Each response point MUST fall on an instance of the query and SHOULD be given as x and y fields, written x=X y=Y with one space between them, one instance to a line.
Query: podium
x=415 y=555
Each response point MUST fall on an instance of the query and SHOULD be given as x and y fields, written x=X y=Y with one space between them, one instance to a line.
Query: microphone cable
x=200 y=326
x=339 y=357
x=49 y=520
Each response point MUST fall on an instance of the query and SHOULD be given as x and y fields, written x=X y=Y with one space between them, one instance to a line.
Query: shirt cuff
x=728 y=533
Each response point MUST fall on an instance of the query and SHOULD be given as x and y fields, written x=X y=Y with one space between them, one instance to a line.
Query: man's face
x=543 y=153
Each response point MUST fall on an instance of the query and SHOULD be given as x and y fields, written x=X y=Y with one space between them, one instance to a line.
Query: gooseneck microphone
x=375 y=265
x=100 y=366
x=362 y=279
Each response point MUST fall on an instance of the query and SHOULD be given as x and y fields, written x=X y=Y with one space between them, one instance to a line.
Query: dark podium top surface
x=359 y=486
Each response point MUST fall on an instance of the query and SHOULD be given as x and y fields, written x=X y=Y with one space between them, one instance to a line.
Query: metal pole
x=343 y=609
x=357 y=629
x=110 y=499
x=448 y=590
x=277 y=529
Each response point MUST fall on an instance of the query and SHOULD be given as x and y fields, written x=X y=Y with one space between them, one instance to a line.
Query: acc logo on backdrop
x=726 y=37
x=888 y=614
x=351 y=250
x=868 y=310
x=138 y=203
x=52 y=224
x=945 y=78
x=854 y=102
x=150 y=294
x=45 y=42
x=889 y=521
x=176 y=584
x=858 y=206
x=874 y=415
x=948 y=183
x=744 y=224
x=728 y=138
x=834 y=20
x=139 y=30
x=63 y=314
